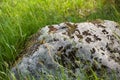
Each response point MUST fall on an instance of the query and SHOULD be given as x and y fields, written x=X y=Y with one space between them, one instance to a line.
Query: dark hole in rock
x=56 y=39
x=80 y=36
x=103 y=53
x=102 y=26
x=52 y=29
x=104 y=31
x=88 y=40
x=97 y=38
x=102 y=48
x=96 y=58
x=78 y=31
x=91 y=56
x=60 y=48
x=86 y=33
x=92 y=50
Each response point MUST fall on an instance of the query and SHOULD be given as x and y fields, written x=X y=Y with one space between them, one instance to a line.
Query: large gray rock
x=72 y=46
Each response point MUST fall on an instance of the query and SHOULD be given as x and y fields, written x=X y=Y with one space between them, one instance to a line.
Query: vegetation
x=21 y=18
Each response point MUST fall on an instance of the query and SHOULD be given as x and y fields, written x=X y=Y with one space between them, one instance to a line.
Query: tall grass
x=21 y=18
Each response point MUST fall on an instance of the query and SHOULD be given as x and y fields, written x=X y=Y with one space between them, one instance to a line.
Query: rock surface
x=88 y=45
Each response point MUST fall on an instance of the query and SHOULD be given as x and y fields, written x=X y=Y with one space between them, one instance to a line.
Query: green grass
x=21 y=18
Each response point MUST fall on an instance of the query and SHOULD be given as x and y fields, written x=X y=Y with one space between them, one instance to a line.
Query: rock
x=72 y=46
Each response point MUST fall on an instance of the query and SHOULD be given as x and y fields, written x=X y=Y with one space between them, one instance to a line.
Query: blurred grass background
x=21 y=18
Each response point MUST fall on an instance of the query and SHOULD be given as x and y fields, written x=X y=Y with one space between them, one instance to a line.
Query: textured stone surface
x=73 y=46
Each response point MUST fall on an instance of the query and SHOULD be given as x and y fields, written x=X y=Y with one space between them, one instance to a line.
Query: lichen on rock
x=87 y=45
